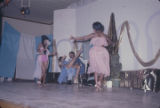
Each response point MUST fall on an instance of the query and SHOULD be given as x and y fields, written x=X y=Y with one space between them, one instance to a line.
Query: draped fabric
x=26 y=57
x=18 y=53
x=38 y=41
x=8 y=51
x=132 y=56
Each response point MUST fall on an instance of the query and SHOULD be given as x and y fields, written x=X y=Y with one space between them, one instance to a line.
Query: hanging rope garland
x=145 y=64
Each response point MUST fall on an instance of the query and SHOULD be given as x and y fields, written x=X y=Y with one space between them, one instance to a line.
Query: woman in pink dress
x=98 y=55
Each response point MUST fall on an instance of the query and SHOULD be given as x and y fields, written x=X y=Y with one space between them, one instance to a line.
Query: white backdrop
x=64 y=27
x=25 y=59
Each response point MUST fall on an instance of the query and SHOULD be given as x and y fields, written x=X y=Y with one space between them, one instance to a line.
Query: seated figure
x=78 y=65
x=71 y=68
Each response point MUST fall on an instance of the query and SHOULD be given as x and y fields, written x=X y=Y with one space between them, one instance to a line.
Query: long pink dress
x=99 y=57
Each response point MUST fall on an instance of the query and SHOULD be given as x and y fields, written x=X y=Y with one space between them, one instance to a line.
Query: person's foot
x=44 y=85
x=40 y=85
x=98 y=86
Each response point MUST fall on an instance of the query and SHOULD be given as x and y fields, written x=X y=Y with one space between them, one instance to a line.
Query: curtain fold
x=8 y=51
x=26 y=58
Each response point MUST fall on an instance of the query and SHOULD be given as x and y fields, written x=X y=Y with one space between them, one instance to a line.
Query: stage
x=72 y=96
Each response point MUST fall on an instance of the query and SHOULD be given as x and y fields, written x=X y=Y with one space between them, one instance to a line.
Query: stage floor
x=70 y=96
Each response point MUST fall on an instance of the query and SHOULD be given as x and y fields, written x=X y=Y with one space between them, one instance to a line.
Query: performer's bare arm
x=39 y=49
x=83 y=38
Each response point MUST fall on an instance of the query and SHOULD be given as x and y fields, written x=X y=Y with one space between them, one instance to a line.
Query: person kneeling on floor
x=69 y=69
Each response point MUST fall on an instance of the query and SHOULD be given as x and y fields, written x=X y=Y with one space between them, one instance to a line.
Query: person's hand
x=55 y=53
x=64 y=57
x=72 y=38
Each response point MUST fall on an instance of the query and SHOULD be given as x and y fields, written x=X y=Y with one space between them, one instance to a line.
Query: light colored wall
x=64 y=27
x=143 y=16
x=34 y=29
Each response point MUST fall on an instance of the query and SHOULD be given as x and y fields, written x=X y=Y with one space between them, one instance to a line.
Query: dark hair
x=97 y=26
x=60 y=59
x=71 y=52
x=43 y=38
